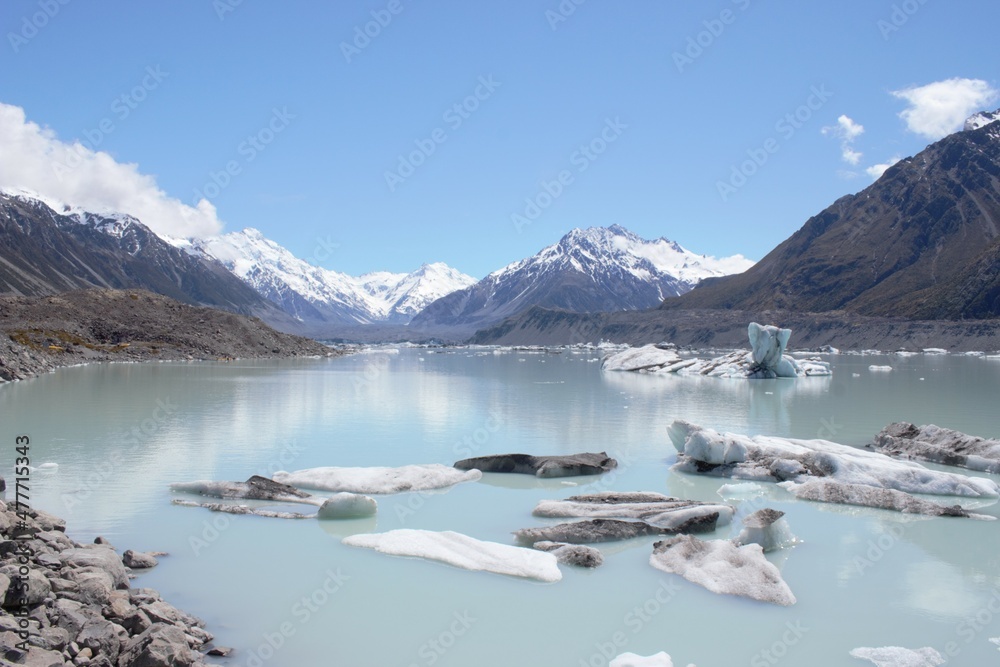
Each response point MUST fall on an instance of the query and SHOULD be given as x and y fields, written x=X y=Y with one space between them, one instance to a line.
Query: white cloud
x=34 y=159
x=940 y=108
x=850 y=155
x=876 y=170
x=847 y=131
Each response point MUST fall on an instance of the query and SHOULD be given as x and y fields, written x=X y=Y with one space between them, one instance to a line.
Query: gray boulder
x=159 y=646
x=138 y=560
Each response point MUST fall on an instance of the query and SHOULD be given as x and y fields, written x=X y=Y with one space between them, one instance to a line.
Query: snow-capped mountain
x=47 y=247
x=314 y=294
x=981 y=119
x=588 y=270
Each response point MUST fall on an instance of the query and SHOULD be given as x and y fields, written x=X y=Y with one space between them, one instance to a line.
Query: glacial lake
x=288 y=593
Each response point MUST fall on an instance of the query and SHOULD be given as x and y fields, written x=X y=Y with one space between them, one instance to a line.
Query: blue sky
x=283 y=119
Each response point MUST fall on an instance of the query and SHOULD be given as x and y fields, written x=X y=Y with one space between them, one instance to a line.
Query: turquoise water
x=287 y=593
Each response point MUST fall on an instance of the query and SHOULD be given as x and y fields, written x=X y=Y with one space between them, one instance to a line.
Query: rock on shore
x=75 y=605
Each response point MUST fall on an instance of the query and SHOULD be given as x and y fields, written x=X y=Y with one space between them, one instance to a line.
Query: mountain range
x=314 y=294
x=922 y=242
x=47 y=247
x=588 y=270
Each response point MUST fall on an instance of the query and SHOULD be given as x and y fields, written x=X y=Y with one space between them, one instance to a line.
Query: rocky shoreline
x=42 y=334
x=65 y=603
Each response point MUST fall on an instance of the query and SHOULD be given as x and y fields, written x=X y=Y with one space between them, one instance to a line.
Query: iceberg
x=773 y=459
x=648 y=357
x=652 y=508
x=346 y=505
x=768 y=528
x=660 y=659
x=766 y=359
x=378 y=480
x=832 y=491
x=572 y=465
x=896 y=656
x=722 y=567
x=938 y=445
x=462 y=551
x=769 y=343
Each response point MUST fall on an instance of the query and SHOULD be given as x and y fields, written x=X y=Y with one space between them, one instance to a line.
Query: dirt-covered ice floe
x=722 y=567
x=832 y=491
x=338 y=506
x=378 y=480
x=772 y=459
x=594 y=531
x=652 y=508
x=571 y=465
x=897 y=656
x=255 y=488
x=572 y=554
x=765 y=360
x=938 y=445
x=462 y=551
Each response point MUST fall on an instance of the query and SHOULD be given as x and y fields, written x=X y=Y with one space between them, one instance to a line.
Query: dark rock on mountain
x=921 y=242
x=542 y=466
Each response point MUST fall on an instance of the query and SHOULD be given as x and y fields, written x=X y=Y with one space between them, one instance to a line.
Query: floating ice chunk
x=768 y=343
x=765 y=360
x=346 y=505
x=935 y=350
x=742 y=490
x=660 y=659
x=938 y=445
x=648 y=357
x=378 y=479
x=653 y=508
x=722 y=567
x=996 y=640
x=831 y=491
x=462 y=551
x=768 y=528
x=766 y=458
x=49 y=465
x=706 y=445
x=879 y=369
x=896 y=656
